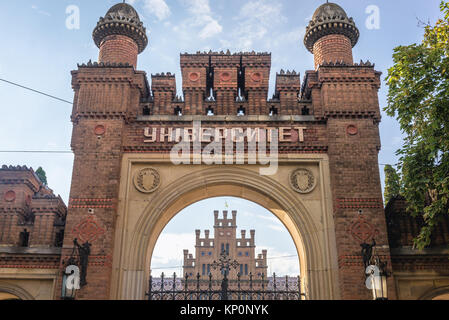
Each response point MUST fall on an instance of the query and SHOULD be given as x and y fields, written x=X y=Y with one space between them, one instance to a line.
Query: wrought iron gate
x=225 y=289
x=288 y=288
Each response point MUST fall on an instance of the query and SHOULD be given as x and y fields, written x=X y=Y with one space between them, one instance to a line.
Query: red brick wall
x=332 y=48
x=118 y=49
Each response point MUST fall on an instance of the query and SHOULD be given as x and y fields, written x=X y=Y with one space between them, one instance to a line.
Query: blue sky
x=39 y=51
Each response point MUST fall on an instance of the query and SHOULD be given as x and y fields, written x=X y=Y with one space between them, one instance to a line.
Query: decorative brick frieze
x=30 y=261
x=92 y=203
x=359 y=203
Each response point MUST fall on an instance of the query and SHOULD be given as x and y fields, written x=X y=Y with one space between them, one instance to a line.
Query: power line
x=175 y=267
x=31 y=151
x=294 y=255
x=45 y=151
x=36 y=91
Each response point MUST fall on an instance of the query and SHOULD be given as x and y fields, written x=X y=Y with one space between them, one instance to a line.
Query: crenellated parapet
x=31 y=215
x=340 y=89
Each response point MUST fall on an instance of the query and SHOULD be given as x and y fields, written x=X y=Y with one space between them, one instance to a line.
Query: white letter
x=73 y=20
x=373 y=20
x=73 y=280
x=272 y=159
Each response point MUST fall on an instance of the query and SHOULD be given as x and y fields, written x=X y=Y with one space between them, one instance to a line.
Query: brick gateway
x=326 y=190
x=137 y=190
x=125 y=188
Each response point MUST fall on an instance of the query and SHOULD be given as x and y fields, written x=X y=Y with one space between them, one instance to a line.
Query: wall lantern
x=375 y=271
x=74 y=278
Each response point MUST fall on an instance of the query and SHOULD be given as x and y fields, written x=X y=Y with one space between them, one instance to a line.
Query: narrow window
x=24 y=238
x=209 y=111
x=178 y=111
x=305 y=111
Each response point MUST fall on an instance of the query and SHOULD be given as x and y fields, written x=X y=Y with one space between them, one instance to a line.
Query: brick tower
x=107 y=95
x=344 y=94
x=208 y=250
x=331 y=35
x=120 y=35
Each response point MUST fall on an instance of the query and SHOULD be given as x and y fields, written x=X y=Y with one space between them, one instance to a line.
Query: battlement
x=225 y=222
x=244 y=242
x=31 y=215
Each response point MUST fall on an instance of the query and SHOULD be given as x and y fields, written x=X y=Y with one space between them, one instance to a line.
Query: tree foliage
x=392 y=183
x=42 y=175
x=419 y=98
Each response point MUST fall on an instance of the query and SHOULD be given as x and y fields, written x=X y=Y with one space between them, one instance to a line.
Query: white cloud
x=203 y=18
x=282 y=263
x=158 y=8
x=256 y=18
x=210 y=29
x=168 y=252
x=170 y=246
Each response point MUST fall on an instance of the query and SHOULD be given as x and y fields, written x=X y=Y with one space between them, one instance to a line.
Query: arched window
x=227 y=248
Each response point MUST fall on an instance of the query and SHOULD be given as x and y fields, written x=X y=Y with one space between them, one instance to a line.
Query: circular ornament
x=10 y=196
x=352 y=130
x=147 y=180
x=225 y=76
x=256 y=76
x=302 y=181
x=100 y=130
x=194 y=76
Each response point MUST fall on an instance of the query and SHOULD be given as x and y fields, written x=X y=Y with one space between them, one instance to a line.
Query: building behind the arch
x=125 y=188
x=241 y=249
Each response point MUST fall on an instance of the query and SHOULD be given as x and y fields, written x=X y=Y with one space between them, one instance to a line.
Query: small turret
x=331 y=35
x=120 y=35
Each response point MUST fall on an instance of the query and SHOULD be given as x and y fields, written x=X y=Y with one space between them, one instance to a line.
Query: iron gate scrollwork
x=250 y=288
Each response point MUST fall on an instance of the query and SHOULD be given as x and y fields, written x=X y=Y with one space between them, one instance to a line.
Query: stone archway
x=12 y=291
x=312 y=239
x=441 y=293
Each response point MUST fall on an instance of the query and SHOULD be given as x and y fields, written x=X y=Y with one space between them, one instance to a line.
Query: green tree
x=392 y=183
x=42 y=175
x=419 y=97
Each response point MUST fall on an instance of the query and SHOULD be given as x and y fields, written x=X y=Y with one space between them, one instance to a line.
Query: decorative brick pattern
x=332 y=48
x=88 y=230
x=359 y=203
x=118 y=49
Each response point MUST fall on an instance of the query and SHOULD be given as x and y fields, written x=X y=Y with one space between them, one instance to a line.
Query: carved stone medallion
x=147 y=180
x=302 y=181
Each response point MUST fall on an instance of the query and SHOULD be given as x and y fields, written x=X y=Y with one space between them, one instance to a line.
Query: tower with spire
x=344 y=95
